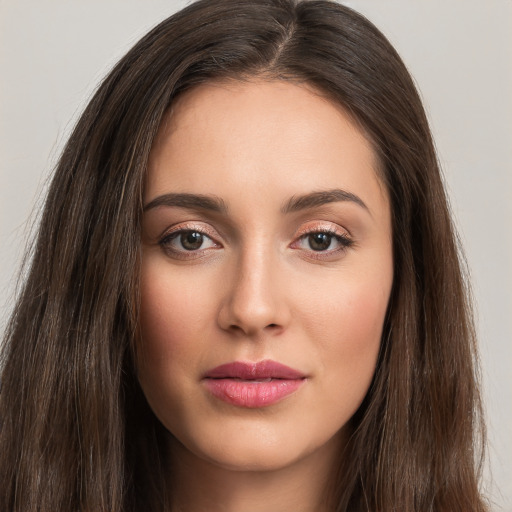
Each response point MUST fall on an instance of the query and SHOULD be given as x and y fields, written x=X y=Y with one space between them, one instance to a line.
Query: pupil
x=319 y=241
x=191 y=240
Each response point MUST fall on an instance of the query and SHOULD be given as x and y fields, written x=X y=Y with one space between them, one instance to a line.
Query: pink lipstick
x=253 y=385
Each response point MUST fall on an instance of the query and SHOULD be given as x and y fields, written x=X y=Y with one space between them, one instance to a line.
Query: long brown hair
x=76 y=433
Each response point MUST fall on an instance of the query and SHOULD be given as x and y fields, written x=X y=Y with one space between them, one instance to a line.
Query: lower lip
x=252 y=393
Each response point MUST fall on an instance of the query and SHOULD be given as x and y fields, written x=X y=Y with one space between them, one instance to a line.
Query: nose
x=255 y=301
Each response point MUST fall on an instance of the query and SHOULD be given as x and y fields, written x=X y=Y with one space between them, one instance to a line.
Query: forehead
x=250 y=135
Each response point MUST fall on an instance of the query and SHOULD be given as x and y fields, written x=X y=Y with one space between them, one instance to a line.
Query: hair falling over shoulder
x=76 y=433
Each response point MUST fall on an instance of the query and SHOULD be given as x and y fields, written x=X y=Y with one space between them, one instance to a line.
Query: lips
x=253 y=385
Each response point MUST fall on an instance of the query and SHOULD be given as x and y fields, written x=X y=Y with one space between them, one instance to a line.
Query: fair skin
x=255 y=275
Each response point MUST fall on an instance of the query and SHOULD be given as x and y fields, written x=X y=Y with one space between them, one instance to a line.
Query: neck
x=202 y=486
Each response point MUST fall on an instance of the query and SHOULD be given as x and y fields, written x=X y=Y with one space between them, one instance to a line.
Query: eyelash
x=343 y=239
x=184 y=254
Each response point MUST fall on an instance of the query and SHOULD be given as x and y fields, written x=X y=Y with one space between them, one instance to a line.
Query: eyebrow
x=192 y=201
x=314 y=199
x=216 y=204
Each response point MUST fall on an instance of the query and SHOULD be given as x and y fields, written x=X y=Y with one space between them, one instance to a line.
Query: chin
x=257 y=448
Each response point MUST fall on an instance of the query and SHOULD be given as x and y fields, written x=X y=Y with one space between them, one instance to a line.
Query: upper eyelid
x=344 y=236
x=323 y=226
x=308 y=227
x=166 y=240
x=180 y=227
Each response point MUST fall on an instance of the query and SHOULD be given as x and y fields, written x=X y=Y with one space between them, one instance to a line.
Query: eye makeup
x=189 y=241
x=319 y=240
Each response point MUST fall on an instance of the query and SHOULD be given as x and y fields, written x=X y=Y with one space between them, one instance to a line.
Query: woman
x=246 y=292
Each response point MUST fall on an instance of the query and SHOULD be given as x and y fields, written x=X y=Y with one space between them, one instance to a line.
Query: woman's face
x=266 y=273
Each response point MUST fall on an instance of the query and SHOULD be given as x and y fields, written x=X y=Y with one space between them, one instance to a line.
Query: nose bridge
x=254 y=279
x=254 y=302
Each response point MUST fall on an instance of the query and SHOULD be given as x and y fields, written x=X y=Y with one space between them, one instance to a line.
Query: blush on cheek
x=175 y=315
x=156 y=320
x=367 y=313
x=354 y=312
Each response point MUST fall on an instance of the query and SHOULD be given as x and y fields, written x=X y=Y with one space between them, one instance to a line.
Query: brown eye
x=323 y=243
x=191 y=240
x=187 y=243
x=319 y=241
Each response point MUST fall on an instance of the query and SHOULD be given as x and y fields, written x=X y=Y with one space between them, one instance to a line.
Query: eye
x=320 y=241
x=323 y=242
x=186 y=243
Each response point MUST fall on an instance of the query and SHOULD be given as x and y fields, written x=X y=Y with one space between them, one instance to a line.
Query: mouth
x=253 y=385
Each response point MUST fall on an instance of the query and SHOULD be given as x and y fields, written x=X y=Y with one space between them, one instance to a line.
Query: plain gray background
x=53 y=54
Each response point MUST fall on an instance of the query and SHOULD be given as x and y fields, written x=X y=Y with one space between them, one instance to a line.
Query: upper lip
x=252 y=371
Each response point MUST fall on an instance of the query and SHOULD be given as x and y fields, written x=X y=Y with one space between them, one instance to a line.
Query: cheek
x=172 y=341
x=346 y=320
x=161 y=322
x=169 y=311
x=350 y=310
x=173 y=315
